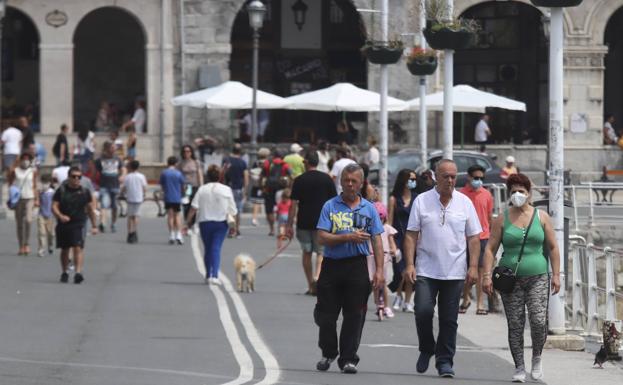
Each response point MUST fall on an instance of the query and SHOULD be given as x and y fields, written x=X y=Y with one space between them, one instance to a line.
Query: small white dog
x=245 y=273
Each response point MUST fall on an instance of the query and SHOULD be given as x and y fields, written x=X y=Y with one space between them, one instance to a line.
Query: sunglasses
x=413 y=179
x=478 y=178
x=75 y=176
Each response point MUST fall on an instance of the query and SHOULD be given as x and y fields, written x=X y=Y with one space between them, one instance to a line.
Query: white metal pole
x=448 y=82
x=256 y=47
x=383 y=114
x=183 y=67
x=611 y=301
x=556 y=161
x=423 y=114
x=163 y=26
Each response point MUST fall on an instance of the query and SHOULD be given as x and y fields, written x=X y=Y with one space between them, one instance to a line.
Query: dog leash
x=279 y=251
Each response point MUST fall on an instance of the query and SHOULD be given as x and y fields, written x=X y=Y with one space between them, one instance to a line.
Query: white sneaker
x=388 y=312
x=41 y=253
x=408 y=308
x=397 y=302
x=215 y=281
x=537 y=368
x=520 y=375
x=254 y=222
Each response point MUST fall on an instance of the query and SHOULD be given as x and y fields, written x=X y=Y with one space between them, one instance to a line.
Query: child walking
x=389 y=250
x=134 y=186
x=45 y=220
x=282 y=209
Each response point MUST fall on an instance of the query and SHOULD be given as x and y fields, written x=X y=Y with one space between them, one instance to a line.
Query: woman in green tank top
x=532 y=286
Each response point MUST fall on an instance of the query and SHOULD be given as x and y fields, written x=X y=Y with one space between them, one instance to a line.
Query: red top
x=284 y=169
x=483 y=203
x=283 y=207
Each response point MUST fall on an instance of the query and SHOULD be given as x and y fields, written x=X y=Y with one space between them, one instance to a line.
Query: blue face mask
x=411 y=184
x=476 y=184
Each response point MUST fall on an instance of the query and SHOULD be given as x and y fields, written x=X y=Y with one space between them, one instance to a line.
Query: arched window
x=613 y=79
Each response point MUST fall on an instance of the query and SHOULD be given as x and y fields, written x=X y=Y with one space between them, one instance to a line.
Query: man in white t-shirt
x=482 y=132
x=59 y=174
x=373 y=156
x=336 y=172
x=138 y=119
x=12 y=145
x=440 y=221
x=134 y=187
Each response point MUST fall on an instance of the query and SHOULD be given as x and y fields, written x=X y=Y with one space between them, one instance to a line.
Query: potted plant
x=422 y=62
x=445 y=32
x=383 y=52
x=556 y=3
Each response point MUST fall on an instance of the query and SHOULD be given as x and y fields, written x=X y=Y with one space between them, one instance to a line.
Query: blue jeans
x=429 y=291
x=213 y=235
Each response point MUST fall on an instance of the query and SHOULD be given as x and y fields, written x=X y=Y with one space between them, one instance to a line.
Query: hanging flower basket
x=446 y=38
x=422 y=67
x=556 y=3
x=382 y=53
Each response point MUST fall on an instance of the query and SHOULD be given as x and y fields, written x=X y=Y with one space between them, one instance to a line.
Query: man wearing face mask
x=483 y=203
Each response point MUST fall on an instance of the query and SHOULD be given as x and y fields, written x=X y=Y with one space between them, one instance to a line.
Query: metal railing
x=594 y=291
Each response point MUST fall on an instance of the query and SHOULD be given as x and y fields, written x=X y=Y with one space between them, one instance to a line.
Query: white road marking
x=240 y=351
x=273 y=372
x=458 y=348
x=113 y=367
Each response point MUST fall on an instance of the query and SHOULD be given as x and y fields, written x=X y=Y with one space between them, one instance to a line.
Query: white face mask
x=518 y=199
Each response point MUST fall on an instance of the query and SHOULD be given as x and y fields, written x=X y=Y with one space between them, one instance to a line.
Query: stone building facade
x=196 y=49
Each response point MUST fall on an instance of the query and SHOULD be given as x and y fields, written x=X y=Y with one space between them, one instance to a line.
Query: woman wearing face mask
x=532 y=287
x=24 y=177
x=399 y=207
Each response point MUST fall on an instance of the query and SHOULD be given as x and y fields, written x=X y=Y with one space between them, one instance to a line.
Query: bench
x=605 y=192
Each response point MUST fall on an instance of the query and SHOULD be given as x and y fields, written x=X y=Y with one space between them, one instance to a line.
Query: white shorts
x=133 y=209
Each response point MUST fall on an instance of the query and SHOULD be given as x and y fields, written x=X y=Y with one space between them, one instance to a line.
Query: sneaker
x=324 y=364
x=408 y=308
x=537 y=368
x=64 y=277
x=422 y=362
x=78 y=278
x=71 y=266
x=179 y=241
x=134 y=237
x=171 y=241
x=41 y=253
x=101 y=228
x=349 y=368
x=388 y=312
x=51 y=251
x=397 y=302
x=520 y=375
x=445 y=370
x=254 y=222
x=215 y=281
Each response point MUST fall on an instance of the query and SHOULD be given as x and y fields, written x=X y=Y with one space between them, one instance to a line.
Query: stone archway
x=20 y=68
x=510 y=58
x=613 y=74
x=109 y=65
x=329 y=53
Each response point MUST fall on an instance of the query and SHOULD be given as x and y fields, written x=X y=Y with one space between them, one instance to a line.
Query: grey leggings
x=531 y=292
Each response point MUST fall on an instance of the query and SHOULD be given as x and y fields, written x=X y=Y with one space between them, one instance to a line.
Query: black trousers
x=343 y=285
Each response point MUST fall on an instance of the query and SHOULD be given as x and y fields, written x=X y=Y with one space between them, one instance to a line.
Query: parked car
x=464 y=159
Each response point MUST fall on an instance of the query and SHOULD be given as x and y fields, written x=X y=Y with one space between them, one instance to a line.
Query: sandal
x=481 y=312
x=463 y=308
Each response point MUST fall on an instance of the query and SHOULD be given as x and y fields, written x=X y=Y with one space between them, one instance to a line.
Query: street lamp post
x=423 y=116
x=448 y=81
x=256 y=10
x=383 y=107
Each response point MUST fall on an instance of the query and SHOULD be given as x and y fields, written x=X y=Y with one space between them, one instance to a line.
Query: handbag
x=15 y=193
x=504 y=278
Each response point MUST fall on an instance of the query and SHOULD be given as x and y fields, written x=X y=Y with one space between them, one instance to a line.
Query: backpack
x=276 y=181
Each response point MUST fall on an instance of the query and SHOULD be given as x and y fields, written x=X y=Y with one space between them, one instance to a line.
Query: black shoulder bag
x=504 y=277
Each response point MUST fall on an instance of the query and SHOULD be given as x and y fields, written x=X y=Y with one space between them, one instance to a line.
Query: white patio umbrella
x=468 y=99
x=343 y=97
x=230 y=95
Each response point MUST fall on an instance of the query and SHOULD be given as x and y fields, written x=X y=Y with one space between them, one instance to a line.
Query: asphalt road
x=144 y=316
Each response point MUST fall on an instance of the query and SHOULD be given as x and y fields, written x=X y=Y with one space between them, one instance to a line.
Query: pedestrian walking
x=482 y=132
x=275 y=177
x=381 y=299
x=45 y=219
x=400 y=201
x=324 y=156
x=236 y=175
x=310 y=191
x=282 y=210
x=342 y=156
x=524 y=231
x=212 y=205
x=84 y=148
x=11 y=147
x=372 y=156
x=172 y=183
x=24 y=177
x=483 y=203
x=440 y=221
x=192 y=169
x=134 y=188
x=60 y=149
x=346 y=224
x=112 y=172
x=255 y=177
x=295 y=160
x=70 y=205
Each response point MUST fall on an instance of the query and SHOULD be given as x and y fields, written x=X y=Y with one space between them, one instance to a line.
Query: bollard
x=611 y=302
x=592 y=316
x=578 y=311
